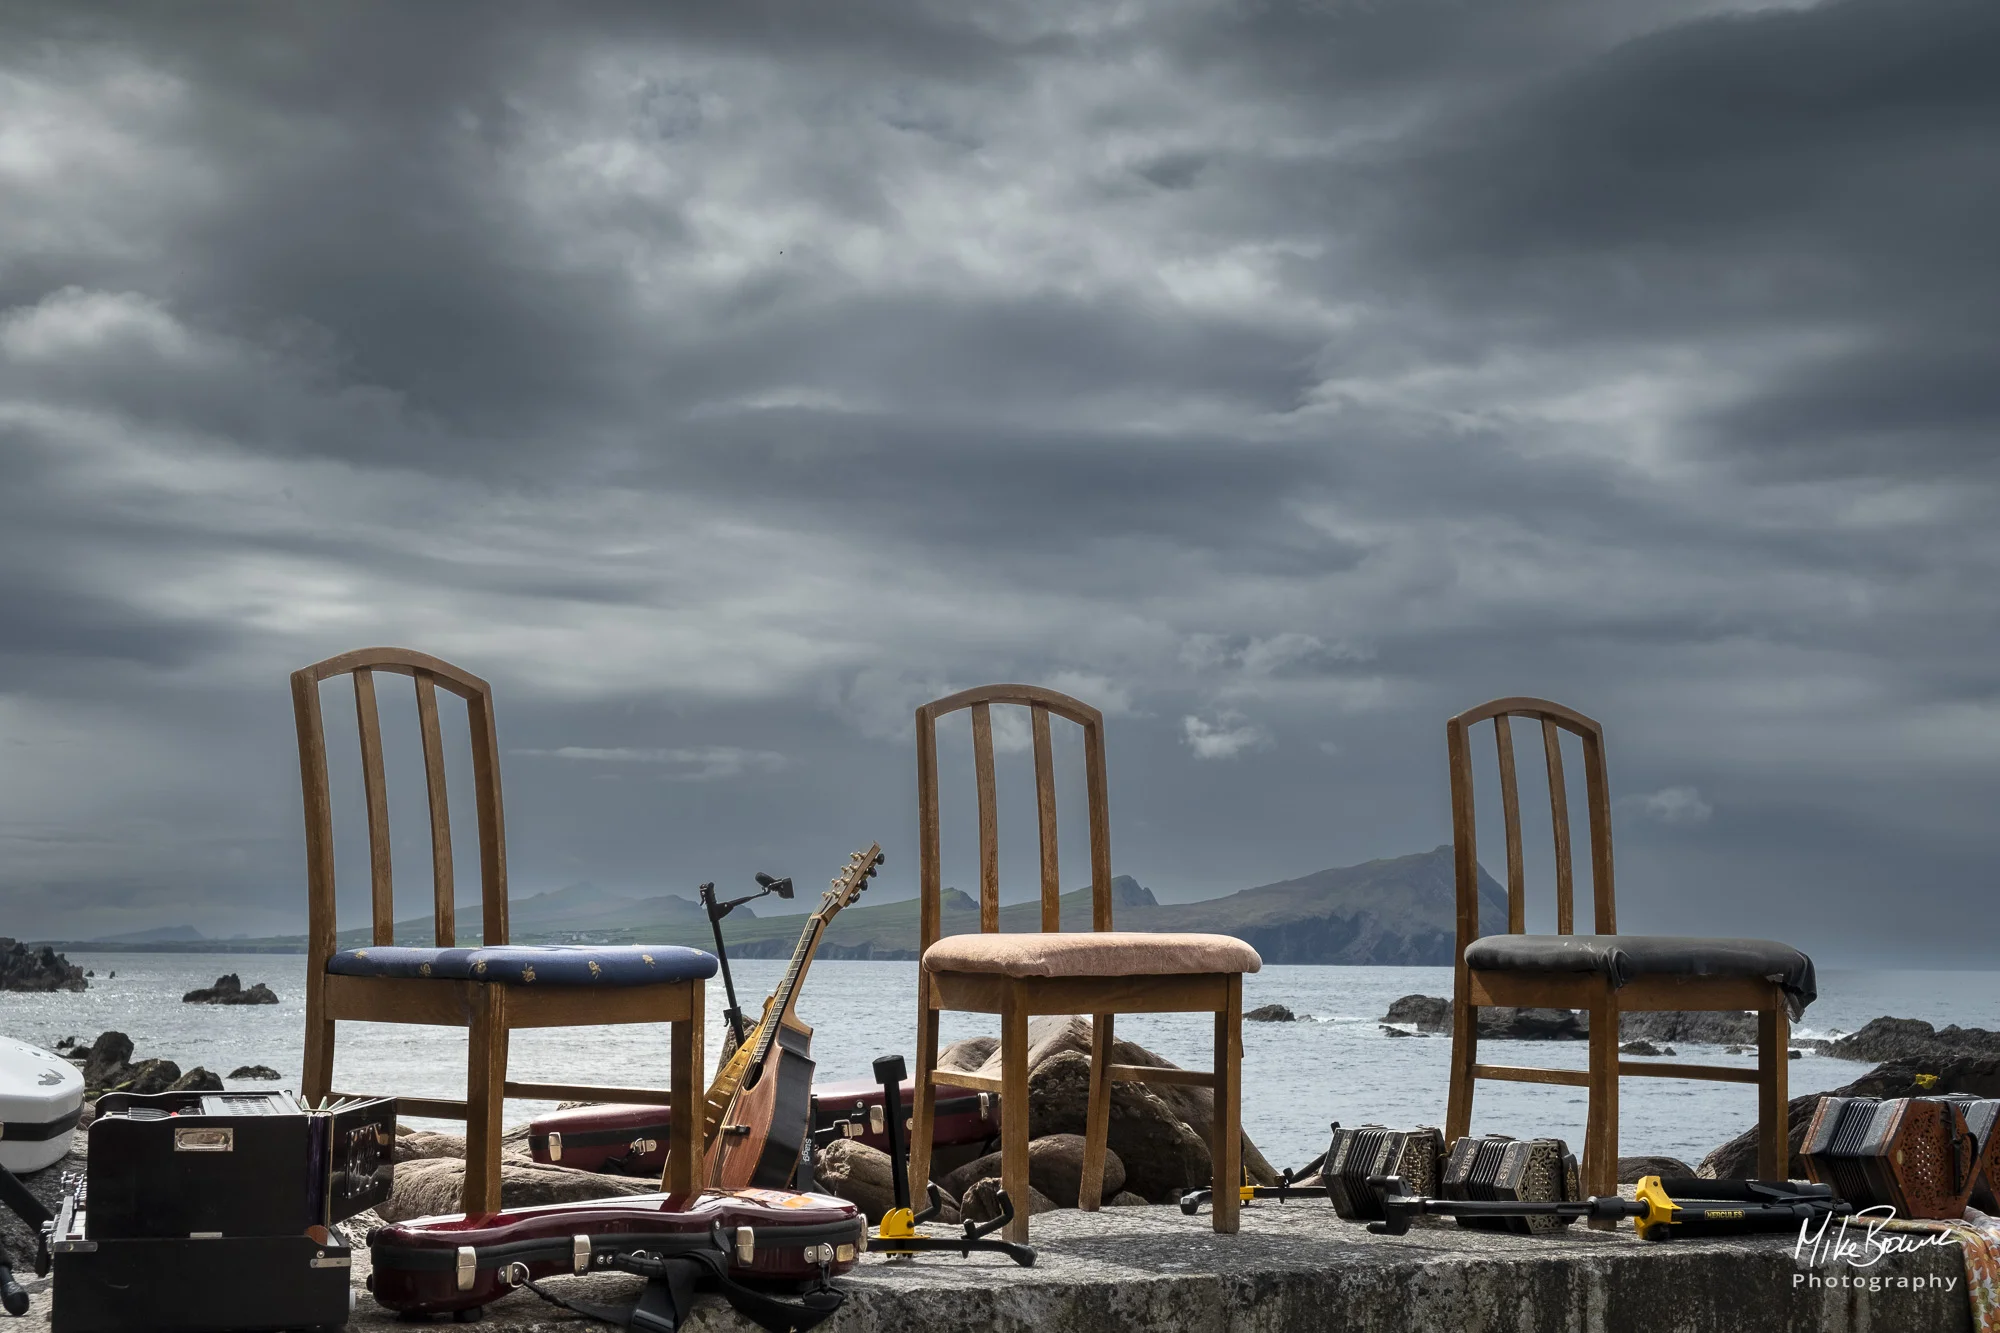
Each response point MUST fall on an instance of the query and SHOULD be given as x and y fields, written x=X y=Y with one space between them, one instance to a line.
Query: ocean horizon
x=1333 y=1064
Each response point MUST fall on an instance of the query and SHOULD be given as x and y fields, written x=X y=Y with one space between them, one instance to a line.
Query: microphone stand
x=733 y=1015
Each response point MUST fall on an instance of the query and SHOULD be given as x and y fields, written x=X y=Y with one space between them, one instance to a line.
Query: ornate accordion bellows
x=1514 y=1170
x=1371 y=1150
x=1915 y=1154
x=1981 y=1116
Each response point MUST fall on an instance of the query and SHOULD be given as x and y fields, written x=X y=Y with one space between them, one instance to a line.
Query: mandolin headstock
x=852 y=879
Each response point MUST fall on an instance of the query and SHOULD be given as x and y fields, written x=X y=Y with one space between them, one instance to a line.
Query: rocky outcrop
x=968 y=1055
x=1055 y=1034
x=1163 y=1156
x=427 y=1188
x=25 y=968
x=1719 y=1027
x=422 y=1145
x=1912 y=1039
x=1631 y=1170
x=982 y=1201
x=255 y=1072
x=229 y=990
x=1644 y=1048
x=107 y=1066
x=1055 y=1169
x=1432 y=1013
x=1978 y=1075
x=1270 y=1013
x=854 y=1171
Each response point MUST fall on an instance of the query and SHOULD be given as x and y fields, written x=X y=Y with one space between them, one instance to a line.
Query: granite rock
x=1055 y=1169
x=1632 y=1169
x=25 y=968
x=229 y=989
x=428 y=1188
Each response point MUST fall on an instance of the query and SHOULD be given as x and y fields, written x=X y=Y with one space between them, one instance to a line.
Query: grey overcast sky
x=724 y=380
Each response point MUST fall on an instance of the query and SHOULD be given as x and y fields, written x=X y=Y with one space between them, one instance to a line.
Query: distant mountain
x=157 y=935
x=1402 y=910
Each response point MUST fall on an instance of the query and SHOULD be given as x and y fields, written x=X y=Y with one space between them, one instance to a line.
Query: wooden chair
x=1605 y=974
x=1099 y=972
x=488 y=990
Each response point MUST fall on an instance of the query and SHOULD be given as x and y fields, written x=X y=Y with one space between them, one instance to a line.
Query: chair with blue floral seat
x=489 y=990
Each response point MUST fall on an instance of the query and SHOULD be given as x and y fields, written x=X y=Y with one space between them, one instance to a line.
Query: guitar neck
x=787 y=992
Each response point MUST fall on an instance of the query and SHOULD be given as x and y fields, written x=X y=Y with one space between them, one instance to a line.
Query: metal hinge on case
x=468 y=1267
x=555 y=1147
x=579 y=1252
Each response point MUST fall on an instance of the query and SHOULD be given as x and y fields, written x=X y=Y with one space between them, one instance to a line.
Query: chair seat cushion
x=1105 y=953
x=530 y=964
x=1623 y=957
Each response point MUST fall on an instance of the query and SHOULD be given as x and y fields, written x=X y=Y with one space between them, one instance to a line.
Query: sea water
x=1337 y=1064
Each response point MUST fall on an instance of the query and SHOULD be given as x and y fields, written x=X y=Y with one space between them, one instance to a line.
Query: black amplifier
x=214 y=1210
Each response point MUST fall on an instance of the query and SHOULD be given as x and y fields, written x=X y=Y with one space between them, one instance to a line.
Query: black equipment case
x=214 y=1211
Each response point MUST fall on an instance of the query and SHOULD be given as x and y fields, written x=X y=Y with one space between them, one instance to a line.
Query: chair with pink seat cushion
x=1100 y=972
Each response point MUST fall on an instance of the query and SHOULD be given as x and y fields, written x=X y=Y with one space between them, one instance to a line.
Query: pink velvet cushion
x=1108 y=953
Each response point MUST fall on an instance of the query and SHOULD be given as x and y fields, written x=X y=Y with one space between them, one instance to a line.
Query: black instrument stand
x=897 y=1236
x=30 y=1210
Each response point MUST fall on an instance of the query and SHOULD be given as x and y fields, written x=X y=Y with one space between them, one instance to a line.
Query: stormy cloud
x=724 y=381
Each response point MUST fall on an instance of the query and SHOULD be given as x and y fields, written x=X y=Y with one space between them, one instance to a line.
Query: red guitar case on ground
x=632 y=1140
x=963 y=1117
x=749 y=1244
x=619 y=1140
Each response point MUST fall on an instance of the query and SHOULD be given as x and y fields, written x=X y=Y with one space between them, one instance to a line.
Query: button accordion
x=1917 y=1155
x=1514 y=1171
x=1371 y=1150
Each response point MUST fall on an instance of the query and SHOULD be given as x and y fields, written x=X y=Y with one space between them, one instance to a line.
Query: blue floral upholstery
x=530 y=964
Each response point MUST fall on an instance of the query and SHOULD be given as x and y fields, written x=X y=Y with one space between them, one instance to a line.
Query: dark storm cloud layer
x=723 y=381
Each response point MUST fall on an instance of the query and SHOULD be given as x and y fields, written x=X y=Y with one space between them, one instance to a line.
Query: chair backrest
x=1040 y=703
x=430 y=674
x=1555 y=719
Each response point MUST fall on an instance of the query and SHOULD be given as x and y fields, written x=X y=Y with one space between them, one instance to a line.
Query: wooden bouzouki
x=759 y=1108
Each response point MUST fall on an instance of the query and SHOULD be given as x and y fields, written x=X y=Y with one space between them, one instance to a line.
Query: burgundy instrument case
x=632 y=1140
x=777 y=1239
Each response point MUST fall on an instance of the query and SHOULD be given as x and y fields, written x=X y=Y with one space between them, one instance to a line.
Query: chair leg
x=1014 y=1111
x=1225 y=1149
x=684 y=1137
x=1774 y=1148
x=316 y=1080
x=486 y=1096
x=1600 y=1137
x=1097 y=1114
x=923 y=1093
x=1464 y=1054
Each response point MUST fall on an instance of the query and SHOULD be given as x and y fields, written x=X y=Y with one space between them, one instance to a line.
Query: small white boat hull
x=41 y=1096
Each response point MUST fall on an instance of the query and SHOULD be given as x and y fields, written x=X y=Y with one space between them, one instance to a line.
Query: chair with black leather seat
x=1604 y=974
x=491 y=989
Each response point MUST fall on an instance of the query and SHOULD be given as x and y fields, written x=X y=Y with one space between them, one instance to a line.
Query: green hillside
x=1400 y=910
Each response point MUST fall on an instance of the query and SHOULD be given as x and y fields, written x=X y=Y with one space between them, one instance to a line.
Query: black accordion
x=1371 y=1150
x=214 y=1211
x=1511 y=1170
x=1917 y=1155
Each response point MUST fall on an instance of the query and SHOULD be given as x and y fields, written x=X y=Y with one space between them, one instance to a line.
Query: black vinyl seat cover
x=1623 y=957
